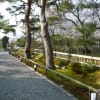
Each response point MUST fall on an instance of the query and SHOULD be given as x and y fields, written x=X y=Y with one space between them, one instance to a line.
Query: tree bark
x=27 y=30
x=45 y=36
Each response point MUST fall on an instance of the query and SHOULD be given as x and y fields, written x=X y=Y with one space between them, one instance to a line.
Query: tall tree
x=87 y=39
x=82 y=14
x=45 y=35
x=27 y=29
x=25 y=8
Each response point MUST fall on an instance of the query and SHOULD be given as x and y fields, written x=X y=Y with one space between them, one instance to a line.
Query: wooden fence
x=78 y=58
x=75 y=57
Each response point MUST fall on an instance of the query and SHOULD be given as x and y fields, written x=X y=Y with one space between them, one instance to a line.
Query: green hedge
x=82 y=68
x=89 y=68
x=76 y=67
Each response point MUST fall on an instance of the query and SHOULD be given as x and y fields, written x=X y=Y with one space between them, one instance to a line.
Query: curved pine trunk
x=46 y=37
x=27 y=30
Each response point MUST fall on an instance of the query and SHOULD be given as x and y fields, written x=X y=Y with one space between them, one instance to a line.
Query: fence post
x=98 y=94
x=35 y=67
x=94 y=95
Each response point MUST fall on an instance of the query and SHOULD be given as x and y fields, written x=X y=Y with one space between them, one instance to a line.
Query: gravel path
x=18 y=82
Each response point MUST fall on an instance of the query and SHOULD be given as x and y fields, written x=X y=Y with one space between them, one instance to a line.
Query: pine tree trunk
x=27 y=30
x=46 y=37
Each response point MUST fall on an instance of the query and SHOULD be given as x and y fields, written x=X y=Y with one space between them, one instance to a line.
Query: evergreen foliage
x=5 y=42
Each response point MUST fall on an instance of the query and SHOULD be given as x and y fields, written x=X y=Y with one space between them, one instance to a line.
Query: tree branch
x=70 y=20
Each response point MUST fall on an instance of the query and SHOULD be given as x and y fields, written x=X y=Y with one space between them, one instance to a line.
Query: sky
x=11 y=21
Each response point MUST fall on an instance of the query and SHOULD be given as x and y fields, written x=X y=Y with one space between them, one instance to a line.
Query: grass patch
x=92 y=79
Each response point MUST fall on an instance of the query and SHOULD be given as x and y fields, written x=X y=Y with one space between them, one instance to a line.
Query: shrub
x=82 y=68
x=89 y=68
x=64 y=63
x=61 y=63
x=76 y=67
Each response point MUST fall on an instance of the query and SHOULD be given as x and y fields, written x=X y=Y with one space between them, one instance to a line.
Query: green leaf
x=66 y=5
x=51 y=20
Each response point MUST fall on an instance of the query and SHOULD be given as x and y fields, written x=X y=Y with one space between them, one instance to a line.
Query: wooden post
x=98 y=94
x=35 y=67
